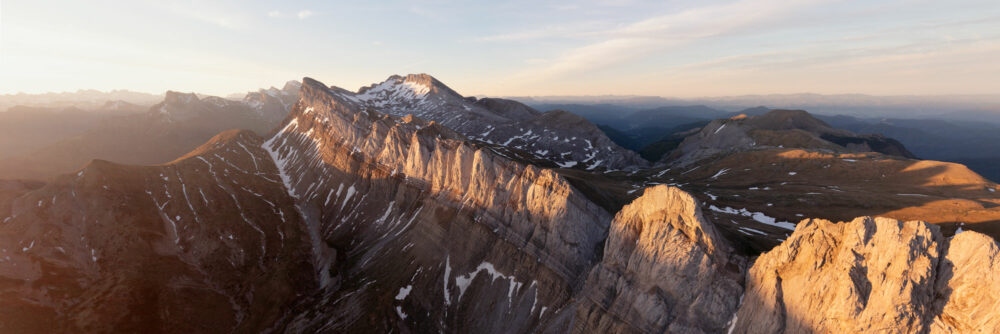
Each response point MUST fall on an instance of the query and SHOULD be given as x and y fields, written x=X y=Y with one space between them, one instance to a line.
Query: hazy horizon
x=680 y=49
x=554 y=96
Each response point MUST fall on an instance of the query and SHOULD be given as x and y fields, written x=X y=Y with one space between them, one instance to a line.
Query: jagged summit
x=177 y=106
x=566 y=141
x=417 y=84
x=273 y=104
x=175 y=97
x=292 y=85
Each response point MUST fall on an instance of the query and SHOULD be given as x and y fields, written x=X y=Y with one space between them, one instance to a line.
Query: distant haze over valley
x=917 y=106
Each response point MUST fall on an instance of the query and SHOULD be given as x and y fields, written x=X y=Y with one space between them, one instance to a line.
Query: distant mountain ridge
x=956 y=139
x=777 y=128
x=965 y=107
x=84 y=99
x=164 y=131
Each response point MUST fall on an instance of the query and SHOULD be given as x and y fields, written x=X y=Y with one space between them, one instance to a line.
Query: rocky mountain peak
x=662 y=251
x=411 y=86
x=664 y=204
x=292 y=86
x=179 y=106
x=174 y=97
x=562 y=138
x=310 y=84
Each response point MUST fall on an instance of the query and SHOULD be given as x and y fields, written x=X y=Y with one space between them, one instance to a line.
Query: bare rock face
x=562 y=138
x=665 y=269
x=969 y=286
x=436 y=233
x=872 y=275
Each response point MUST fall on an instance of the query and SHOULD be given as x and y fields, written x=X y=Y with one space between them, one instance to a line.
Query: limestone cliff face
x=438 y=234
x=969 y=286
x=521 y=201
x=665 y=269
x=871 y=275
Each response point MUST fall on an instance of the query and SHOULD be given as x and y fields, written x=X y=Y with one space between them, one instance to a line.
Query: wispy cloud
x=656 y=34
x=425 y=12
x=574 y=30
x=213 y=13
x=301 y=15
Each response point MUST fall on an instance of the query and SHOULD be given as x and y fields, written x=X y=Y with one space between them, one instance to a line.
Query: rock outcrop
x=969 y=286
x=665 y=270
x=872 y=275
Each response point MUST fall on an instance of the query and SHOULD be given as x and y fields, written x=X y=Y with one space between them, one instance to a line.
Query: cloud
x=212 y=13
x=656 y=34
x=575 y=30
x=301 y=15
x=425 y=13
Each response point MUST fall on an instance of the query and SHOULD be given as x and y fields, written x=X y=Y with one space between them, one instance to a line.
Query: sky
x=507 y=48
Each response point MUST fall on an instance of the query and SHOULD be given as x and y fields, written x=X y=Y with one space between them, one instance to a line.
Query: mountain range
x=954 y=137
x=406 y=207
x=86 y=99
x=46 y=143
